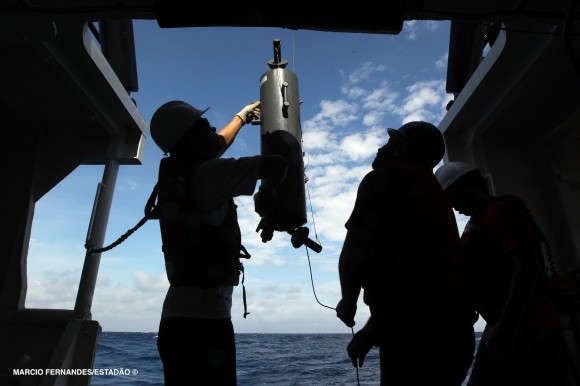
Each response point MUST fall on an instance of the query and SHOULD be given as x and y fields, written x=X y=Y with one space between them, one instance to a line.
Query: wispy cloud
x=340 y=138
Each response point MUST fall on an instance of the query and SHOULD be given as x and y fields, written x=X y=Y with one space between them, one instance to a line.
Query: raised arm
x=230 y=131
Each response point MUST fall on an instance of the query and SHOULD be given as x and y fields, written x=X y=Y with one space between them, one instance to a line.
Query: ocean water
x=131 y=359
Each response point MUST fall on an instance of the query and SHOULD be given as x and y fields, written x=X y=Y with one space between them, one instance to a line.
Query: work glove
x=249 y=112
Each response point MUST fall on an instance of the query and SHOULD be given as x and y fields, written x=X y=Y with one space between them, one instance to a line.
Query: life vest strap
x=246 y=313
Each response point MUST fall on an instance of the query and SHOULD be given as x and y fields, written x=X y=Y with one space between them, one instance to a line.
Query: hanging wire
x=312 y=282
x=311 y=210
x=310 y=268
x=314 y=226
x=324 y=305
x=356 y=364
x=293 y=56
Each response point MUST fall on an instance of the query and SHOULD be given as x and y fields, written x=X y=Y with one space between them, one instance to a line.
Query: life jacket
x=440 y=244
x=196 y=253
x=438 y=225
x=415 y=267
x=490 y=270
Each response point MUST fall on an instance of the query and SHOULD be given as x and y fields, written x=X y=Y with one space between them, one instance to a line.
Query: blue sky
x=352 y=87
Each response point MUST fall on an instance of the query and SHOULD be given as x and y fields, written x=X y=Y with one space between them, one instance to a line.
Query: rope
x=92 y=250
x=150 y=213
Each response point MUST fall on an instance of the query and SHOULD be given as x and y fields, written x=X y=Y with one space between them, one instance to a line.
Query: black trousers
x=421 y=356
x=535 y=360
x=197 y=351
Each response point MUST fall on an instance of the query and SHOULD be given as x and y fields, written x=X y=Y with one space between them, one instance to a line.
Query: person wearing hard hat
x=401 y=248
x=202 y=239
x=504 y=277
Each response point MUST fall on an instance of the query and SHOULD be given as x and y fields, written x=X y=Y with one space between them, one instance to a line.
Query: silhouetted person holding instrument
x=201 y=238
x=401 y=248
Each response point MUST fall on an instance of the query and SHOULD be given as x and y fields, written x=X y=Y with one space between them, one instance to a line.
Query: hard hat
x=450 y=172
x=424 y=137
x=171 y=121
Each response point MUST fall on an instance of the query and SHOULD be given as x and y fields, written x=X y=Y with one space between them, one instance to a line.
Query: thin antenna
x=293 y=57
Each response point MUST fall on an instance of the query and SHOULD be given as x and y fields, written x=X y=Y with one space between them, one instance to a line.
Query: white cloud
x=340 y=140
x=337 y=112
x=422 y=95
x=55 y=289
x=410 y=29
x=425 y=100
x=431 y=25
x=353 y=92
x=314 y=136
x=364 y=72
x=442 y=63
x=150 y=283
x=129 y=185
x=361 y=146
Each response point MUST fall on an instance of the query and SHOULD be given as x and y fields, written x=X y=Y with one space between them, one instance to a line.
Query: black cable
x=150 y=213
x=324 y=305
x=310 y=267
x=356 y=364
x=90 y=247
x=311 y=210
x=312 y=282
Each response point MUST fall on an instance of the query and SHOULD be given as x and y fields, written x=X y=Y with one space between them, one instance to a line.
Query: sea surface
x=131 y=358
